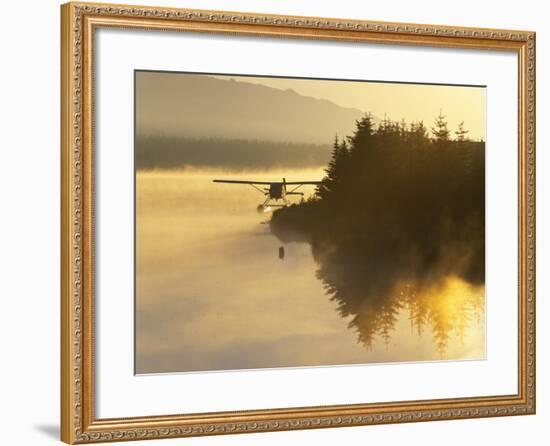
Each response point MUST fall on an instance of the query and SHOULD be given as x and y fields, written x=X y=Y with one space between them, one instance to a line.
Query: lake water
x=213 y=294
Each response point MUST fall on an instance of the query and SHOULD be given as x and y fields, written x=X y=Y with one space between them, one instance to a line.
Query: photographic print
x=298 y=222
x=255 y=205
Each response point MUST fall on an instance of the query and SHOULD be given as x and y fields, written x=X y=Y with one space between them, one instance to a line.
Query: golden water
x=212 y=293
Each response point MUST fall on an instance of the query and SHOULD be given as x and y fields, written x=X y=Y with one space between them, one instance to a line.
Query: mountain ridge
x=198 y=106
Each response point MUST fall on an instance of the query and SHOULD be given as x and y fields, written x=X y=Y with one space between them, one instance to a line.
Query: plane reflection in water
x=276 y=190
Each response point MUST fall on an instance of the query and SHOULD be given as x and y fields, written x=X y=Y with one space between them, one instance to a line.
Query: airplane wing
x=267 y=182
x=303 y=182
x=242 y=182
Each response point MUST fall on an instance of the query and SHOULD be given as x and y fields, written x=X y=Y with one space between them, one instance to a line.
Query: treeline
x=170 y=152
x=398 y=205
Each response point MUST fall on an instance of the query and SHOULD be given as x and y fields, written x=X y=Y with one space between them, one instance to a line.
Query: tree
x=364 y=130
x=461 y=133
x=334 y=168
x=418 y=132
x=440 y=130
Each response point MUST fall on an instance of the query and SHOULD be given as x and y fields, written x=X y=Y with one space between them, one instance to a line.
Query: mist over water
x=213 y=294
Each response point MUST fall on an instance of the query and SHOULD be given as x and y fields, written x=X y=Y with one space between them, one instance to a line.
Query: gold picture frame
x=78 y=24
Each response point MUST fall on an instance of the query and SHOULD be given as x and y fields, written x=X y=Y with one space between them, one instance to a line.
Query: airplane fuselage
x=276 y=191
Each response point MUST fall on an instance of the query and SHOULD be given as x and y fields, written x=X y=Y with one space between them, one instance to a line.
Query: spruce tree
x=461 y=133
x=332 y=165
x=365 y=129
x=331 y=177
x=440 y=130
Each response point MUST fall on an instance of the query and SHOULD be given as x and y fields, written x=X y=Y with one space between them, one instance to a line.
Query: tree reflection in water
x=445 y=306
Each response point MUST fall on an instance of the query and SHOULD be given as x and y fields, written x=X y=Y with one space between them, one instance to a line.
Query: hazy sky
x=412 y=102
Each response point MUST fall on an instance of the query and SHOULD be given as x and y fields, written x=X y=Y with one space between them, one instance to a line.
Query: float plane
x=273 y=190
